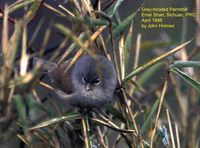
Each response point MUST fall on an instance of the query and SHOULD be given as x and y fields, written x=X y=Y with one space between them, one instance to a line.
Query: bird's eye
x=83 y=79
x=96 y=81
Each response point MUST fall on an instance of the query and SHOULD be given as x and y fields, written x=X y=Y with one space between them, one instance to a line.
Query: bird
x=89 y=83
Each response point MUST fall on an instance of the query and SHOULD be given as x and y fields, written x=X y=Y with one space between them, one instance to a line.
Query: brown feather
x=61 y=78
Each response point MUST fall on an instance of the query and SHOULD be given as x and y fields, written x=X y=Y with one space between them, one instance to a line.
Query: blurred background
x=183 y=25
x=182 y=100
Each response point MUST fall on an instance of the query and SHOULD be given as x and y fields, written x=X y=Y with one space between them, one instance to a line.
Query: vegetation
x=156 y=105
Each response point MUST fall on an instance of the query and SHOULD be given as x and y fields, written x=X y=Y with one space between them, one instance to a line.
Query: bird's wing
x=62 y=78
x=57 y=74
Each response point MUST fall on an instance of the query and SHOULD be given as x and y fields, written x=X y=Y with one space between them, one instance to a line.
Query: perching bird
x=88 y=83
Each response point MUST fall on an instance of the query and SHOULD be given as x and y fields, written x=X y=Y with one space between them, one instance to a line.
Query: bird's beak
x=88 y=87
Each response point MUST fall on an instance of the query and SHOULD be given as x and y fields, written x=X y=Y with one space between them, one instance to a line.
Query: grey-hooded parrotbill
x=90 y=82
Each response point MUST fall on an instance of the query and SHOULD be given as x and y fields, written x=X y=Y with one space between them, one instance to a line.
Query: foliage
x=35 y=119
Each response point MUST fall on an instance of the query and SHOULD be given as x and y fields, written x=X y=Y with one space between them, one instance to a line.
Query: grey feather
x=72 y=85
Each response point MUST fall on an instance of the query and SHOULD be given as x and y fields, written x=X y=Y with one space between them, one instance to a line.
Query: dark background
x=126 y=8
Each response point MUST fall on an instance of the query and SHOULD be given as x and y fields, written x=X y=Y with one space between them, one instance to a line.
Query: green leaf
x=191 y=81
x=149 y=73
x=30 y=101
x=182 y=64
x=114 y=7
x=123 y=25
x=97 y=22
x=19 y=4
x=147 y=122
x=21 y=109
x=127 y=46
x=32 y=11
x=117 y=17
x=56 y=120
x=154 y=61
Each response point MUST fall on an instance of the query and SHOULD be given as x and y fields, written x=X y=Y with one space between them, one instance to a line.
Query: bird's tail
x=46 y=65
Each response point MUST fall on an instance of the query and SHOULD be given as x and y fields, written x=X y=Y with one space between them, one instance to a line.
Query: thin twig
x=170 y=129
x=177 y=136
x=158 y=113
x=85 y=132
